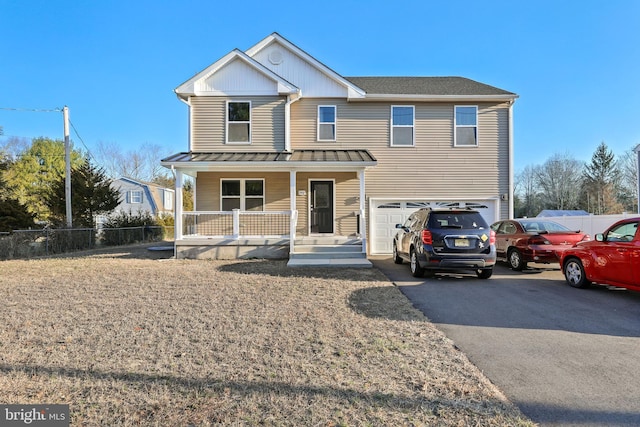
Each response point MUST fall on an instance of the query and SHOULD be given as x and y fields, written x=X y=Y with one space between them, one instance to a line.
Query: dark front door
x=321 y=206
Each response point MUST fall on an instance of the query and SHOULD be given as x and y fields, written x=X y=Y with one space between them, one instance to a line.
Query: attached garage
x=385 y=214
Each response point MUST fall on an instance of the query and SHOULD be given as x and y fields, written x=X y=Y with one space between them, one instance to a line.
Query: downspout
x=287 y=122
x=511 y=174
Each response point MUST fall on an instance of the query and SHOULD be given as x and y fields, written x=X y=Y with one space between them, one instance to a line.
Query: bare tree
x=560 y=179
x=628 y=184
x=527 y=191
x=142 y=163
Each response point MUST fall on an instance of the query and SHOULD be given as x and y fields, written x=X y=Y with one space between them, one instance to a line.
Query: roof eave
x=417 y=97
x=275 y=165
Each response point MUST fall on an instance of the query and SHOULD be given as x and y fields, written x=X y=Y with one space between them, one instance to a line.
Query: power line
x=32 y=110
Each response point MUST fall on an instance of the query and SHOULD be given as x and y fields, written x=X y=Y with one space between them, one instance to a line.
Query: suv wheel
x=416 y=270
x=396 y=257
x=484 y=273
x=515 y=260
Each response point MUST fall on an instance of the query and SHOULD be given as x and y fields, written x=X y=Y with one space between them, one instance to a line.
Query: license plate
x=461 y=243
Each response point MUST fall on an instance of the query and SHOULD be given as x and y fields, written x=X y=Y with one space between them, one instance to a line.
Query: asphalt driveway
x=565 y=356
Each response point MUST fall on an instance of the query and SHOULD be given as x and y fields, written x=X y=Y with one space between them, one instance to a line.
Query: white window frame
x=412 y=126
x=138 y=197
x=243 y=197
x=168 y=200
x=456 y=126
x=232 y=101
x=334 y=123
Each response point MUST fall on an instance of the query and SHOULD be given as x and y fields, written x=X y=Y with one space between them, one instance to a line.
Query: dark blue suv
x=445 y=240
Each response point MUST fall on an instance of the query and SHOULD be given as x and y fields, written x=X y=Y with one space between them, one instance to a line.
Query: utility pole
x=67 y=166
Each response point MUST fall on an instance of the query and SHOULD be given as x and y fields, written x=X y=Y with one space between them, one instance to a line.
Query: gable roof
x=429 y=88
x=353 y=90
x=191 y=86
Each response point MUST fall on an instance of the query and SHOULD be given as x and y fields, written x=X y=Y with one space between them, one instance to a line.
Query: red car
x=613 y=258
x=519 y=241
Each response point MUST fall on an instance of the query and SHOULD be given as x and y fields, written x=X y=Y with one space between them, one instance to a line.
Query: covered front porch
x=308 y=206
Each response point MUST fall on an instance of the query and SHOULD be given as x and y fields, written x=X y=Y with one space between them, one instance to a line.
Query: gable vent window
x=466 y=126
x=326 y=123
x=239 y=122
x=402 y=130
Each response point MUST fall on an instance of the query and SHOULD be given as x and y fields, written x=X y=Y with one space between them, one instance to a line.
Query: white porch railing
x=237 y=224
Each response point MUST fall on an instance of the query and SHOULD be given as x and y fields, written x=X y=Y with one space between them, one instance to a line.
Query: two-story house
x=287 y=154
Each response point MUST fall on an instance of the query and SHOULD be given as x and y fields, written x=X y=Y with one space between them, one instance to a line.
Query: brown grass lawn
x=125 y=339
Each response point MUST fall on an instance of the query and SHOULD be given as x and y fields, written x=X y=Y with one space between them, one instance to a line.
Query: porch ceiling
x=297 y=159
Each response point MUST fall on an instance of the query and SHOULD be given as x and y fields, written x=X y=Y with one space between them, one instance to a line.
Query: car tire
x=514 y=257
x=484 y=273
x=396 y=257
x=574 y=273
x=416 y=270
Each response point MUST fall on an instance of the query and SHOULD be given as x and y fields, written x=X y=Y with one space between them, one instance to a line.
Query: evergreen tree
x=91 y=195
x=13 y=214
x=601 y=178
x=31 y=176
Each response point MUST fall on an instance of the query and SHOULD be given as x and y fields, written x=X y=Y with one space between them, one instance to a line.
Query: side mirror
x=399 y=226
x=600 y=237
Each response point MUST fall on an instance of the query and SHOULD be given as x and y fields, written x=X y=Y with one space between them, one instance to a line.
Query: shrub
x=124 y=228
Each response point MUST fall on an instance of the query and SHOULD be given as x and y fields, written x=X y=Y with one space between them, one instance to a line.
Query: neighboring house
x=286 y=153
x=139 y=197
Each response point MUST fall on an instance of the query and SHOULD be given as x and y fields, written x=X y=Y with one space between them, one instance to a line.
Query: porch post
x=178 y=208
x=292 y=204
x=363 y=222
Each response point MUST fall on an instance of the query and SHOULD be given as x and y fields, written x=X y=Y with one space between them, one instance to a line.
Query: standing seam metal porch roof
x=296 y=156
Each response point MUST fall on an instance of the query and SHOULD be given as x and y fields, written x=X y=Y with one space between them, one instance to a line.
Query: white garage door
x=385 y=214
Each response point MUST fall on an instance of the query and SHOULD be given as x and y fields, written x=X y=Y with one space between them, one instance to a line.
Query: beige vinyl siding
x=208 y=120
x=346 y=189
x=433 y=168
x=276 y=189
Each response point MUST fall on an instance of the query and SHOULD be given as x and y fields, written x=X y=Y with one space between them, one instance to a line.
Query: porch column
x=293 y=220
x=178 y=207
x=363 y=222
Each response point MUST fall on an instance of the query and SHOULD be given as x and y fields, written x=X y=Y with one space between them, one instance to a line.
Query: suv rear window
x=460 y=220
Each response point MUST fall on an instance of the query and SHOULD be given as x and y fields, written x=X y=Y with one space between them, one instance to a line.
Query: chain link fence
x=20 y=244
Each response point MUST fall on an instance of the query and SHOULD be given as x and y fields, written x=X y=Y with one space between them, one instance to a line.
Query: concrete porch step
x=327 y=262
x=328 y=252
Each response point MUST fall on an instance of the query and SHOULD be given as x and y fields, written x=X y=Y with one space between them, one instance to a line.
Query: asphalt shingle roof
x=425 y=86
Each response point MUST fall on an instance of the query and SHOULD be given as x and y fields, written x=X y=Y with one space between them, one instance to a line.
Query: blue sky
x=575 y=65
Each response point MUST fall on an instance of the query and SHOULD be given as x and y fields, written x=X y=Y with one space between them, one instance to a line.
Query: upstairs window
x=466 y=126
x=402 y=119
x=326 y=123
x=243 y=194
x=239 y=122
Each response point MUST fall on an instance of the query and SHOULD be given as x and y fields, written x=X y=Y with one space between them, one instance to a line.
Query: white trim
x=333 y=214
x=412 y=126
x=226 y=128
x=455 y=127
x=335 y=123
x=243 y=196
x=415 y=97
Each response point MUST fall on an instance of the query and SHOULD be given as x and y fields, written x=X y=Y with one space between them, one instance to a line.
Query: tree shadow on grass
x=278 y=268
x=414 y=403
